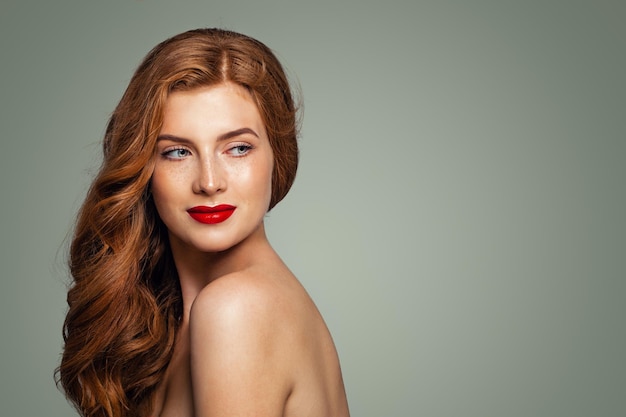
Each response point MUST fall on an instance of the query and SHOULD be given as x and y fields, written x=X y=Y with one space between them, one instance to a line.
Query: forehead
x=212 y=108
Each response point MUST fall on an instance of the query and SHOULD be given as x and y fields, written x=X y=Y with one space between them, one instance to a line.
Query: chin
x=218 y=242
x=214 y=246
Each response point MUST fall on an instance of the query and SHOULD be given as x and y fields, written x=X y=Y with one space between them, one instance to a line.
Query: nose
x=210 y=178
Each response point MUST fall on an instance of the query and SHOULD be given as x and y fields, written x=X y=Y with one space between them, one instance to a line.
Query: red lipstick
x=211 y=215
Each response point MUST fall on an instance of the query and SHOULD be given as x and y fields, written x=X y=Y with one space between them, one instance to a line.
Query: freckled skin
x=195 y=168
x=251 y=341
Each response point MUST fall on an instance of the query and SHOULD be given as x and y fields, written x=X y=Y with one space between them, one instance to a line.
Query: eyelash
x=167 y=153
x=245 y=149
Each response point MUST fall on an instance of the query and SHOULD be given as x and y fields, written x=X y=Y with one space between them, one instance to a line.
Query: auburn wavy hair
x=124 y=301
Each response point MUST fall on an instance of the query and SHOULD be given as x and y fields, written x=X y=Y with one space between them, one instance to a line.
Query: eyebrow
x=223 y=136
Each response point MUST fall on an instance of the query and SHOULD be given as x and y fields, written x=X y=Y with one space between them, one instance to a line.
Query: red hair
x=124 y=301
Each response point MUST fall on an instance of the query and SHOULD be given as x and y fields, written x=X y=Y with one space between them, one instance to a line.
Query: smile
x=211 y=215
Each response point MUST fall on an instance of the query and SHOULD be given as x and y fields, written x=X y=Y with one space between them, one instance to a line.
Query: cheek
x=256 y=174
x=163 y=187
x=156 y=187
x=254 y=181
x=158 y=198
x=258 y=184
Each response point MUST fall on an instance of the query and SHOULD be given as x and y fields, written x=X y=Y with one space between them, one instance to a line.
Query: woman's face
x=212 y=178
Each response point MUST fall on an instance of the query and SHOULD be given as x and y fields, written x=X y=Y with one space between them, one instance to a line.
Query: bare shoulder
x=265 y=312
x=268 y=309
x=242 y=295
x=238 y=346
x=258 y=341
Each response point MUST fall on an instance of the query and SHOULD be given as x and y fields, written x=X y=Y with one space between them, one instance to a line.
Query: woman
x=179 y=305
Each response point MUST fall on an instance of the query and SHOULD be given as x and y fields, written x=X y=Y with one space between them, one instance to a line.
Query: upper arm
x=239 y=363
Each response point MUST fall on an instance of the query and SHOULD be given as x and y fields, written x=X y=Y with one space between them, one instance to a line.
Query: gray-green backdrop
x=458 y=215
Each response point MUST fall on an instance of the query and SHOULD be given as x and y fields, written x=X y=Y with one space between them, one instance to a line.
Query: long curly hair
x=125 y=301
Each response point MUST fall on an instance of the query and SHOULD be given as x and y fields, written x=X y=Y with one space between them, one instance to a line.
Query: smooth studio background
x=458 y=215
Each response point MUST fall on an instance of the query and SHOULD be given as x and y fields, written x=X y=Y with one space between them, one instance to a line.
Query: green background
x=458 y=214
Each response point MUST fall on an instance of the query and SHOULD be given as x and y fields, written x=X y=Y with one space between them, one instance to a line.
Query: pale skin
x=251 y=341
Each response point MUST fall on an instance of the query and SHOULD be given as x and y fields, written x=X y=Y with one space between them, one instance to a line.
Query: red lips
x=211 y=215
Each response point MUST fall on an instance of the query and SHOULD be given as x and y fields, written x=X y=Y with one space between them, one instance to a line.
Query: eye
x=177 y=153
x=239 y=150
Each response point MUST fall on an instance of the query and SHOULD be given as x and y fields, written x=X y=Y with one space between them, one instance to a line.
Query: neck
x=197 y=269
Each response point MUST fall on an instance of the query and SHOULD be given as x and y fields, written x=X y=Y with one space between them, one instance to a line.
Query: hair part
x=124 y=301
